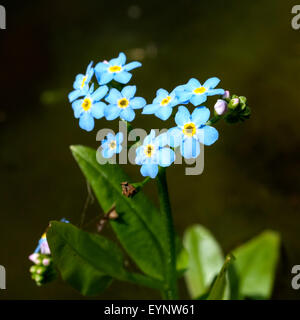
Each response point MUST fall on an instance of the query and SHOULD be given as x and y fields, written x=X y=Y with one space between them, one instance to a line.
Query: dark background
x=251 y=176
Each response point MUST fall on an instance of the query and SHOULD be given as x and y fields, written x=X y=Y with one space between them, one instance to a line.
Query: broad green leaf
x=255 y=265
x=218 y=289
x=138 y=227
x=88 y=262
x=205 y=259
x=182 y=258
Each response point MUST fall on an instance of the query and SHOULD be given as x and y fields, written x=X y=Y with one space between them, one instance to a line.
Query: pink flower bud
x=226 y=95
x=46 y=262
x=220 y=107
x=235 y=102
x=34 y=258
x=105 y=61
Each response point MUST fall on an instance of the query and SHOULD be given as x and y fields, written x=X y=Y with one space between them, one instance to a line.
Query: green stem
x=171 y=291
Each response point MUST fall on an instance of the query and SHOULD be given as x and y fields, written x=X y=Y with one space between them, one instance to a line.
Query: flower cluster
x=119 y=101
x=43 y=271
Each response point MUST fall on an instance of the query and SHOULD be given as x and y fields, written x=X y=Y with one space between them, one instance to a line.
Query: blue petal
x=192 y=84
x=86 y=122
x=118 y=148
x=162 y=140
x=89 y=67
x=101 y=67
x=164 y=113
x=119 y=137
x=208 y=135
x=215 y=92
x=150 y=137
x=197 y=99
x=175 y=136
x=184 y=97
x=182 y=116
x=127 y=114
x=112 y=112
x=149 y=170
x=99 y=93
x=140 y=155
x=166 y=157
x=211 y=83
x=113 y=96
x=179 y=88
x=97 y=109
x=108 y=153
x=77 y=108
x=104 y=77
x=150 y=108
x=137 y=102
x=123 y=77
x=110 y=137
x=128 y=92
x=190 y=148
x=122 y=58
x=200 y=115
x=75 y=94
x=132 y=65
x=162 y=93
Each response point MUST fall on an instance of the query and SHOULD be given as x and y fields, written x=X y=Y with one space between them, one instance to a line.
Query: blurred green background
x=251 y=176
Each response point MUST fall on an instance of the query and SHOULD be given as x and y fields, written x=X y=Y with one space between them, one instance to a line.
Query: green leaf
x=205 y=259
x=88 y=262
x=255 y=265
x=138 y=227
x=218 y=289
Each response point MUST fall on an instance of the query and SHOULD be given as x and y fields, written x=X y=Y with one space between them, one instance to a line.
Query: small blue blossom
x=192 y=130
x=112 y=144
x=90 y=107
x=122 y=104
x=81 y=83
x=115 y=69
x=162 y=105
x=153 y=153
x=196 y=93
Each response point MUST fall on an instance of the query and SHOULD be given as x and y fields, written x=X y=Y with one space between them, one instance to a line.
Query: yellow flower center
x=113 y=144
x=123 y=103
x=199 y=90
x=165 y=101
x=149 y=150
x=43 y=236
x=115 y=69
x=83 y=82
x=86 y=104
x=189 y=129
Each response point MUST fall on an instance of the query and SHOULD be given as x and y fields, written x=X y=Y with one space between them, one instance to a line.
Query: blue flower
x=90 y=107
x=153 y=153
x=196 y=93
x=112 y=144
x=191 y=130
x=115 y=69
x=162 y=105
x=81 y=83
x=122 y=104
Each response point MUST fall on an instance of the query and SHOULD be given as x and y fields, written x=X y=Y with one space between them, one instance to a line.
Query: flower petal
x=97 y=109
x=150 y=137
x=104 y=77
x=123 y=77
x=132 y=65
x=175 y=136
x=208 y=135
x=149 y=170
x=211 y=83
x=192 y=84
x=137 y=102
x=119 y=137
x=128 y=92
x=166 y=157
x=75 y=95
x=197 y=99
x=99 y=93
x=112 y=112
x=215 y=92
x=108 y=153
x=150 y=108
x=162 y=93
x=164 y=113
x=127 y=114
x=190 y=148
x=182 y=116
x=113 y=96
x=200 y=115
x=86 y=122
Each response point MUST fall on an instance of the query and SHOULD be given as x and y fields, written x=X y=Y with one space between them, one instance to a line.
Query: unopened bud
x=220 y=107
x=234 y=103
x=226 y=95
x=46 y=262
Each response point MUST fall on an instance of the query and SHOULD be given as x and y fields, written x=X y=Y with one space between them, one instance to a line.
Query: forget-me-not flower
x=162 y=105
x=153 y=153
x=81 y=83
x=90 y=107
x=115 y=69
x=112 y=144
x=192 y=130
x=122 y=104
x=196 y=93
